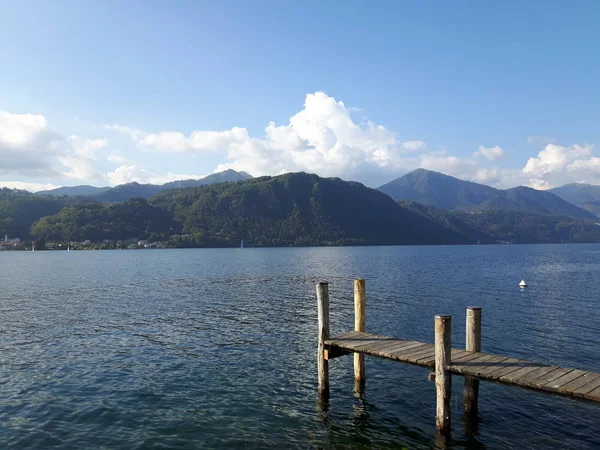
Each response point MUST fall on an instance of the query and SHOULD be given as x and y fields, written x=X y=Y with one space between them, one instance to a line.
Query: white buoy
x=523 y=284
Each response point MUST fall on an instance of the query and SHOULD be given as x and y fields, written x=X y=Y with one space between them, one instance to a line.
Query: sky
x=109 y=92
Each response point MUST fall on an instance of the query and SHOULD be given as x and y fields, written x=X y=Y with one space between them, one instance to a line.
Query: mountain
x=124 y=192
x=502 y=226
x=529 y=200
x=19 y=209
x=585 y=196
x=436 y=189
x=577 y=193
x=298 y=209
x=444 y=191
x=133 y=219
x=83 y=190
x=226 y=176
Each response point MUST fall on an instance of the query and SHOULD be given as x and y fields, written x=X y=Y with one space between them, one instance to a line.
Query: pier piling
x=472 y=344
x=443 y=378
x=323 y=319
x=360 y=324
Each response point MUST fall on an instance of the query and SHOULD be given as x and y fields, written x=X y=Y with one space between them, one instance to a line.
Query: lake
x=216 y=348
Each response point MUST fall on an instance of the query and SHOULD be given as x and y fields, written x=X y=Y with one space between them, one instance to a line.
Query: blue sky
x=106 y=92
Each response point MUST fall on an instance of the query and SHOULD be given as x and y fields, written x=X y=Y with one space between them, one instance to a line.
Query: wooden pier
x=444 y=360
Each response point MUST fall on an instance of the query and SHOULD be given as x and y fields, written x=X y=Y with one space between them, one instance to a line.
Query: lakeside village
x=16 y=244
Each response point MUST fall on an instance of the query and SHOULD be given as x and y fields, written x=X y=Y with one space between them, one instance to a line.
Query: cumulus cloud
x=129 y=174
x=558 y=164
x=29 y=147
x=81 y=157
x=26 y=142
x=321 y=138
x=115 y=156
x=491 y=153
x=133 y=133
x=25 y=186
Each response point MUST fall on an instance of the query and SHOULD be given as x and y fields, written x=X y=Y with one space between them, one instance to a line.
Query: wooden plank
x=467 y=357
x=457 y=353
x=415 y=357
x=352 y=342
x=368 y=343
x=582 y=391
x=560 y=381
x=494 y=364
x=530 y=379
x=378 y=344
x=342 y=336
x=406 y=350
x=593 y=395
x=510 y=365
x=404 y=345
x=571 y=387
x=470 y=367
x=527 y=368
x=382 y=349
x=551 y=376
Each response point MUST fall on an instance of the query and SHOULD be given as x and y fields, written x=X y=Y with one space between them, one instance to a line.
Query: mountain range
x=124 y=192
x=422 y=207
x=450 y=193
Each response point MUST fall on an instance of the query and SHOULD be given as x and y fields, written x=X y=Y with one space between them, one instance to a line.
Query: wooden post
x=360 y=324
x=443 y=378
x=323 y=316
x=472 y=344
x=473 y=338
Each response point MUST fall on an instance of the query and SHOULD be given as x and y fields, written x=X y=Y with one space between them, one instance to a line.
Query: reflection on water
x=216 y=348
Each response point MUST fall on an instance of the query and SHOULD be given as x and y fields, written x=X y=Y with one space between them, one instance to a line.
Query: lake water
x=188 y=349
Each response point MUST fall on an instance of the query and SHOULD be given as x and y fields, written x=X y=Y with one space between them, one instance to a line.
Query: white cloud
x=558 y=164
x=81 y=157
x=323 y=137
x=26 y=144
x=133 y=133
x=129 y=174
x=31 y=187
x=115 y=156
x=491 y=153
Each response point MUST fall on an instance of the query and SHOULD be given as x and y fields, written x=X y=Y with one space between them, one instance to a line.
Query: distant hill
x=19 y=209
x=577 y=193
x=585 y=196
x=124 y=192
x=529 y=200
x=502 y=226
x=133 y=219
x=226 y=176
x=298 y=209
x=83 y=190
x=443 y=191
x=436 y=189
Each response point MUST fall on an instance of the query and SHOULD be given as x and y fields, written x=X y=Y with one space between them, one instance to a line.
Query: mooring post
x=323 y=316
x=472 y=344
x=360 y=324
x=443 y=378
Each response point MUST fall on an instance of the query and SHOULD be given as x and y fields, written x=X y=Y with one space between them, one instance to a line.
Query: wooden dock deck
x=529 y=374
x=445 y=361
